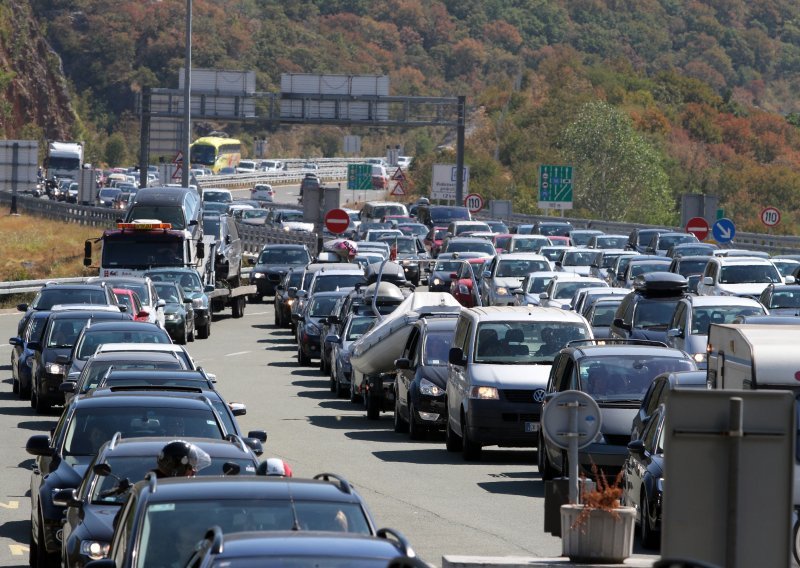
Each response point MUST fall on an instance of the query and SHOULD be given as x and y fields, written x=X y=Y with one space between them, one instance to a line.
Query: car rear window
x=519 y=268
x=53 y=296
x=524 y=342
x=625 y=377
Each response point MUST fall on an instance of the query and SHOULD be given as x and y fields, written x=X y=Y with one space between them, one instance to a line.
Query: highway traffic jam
x=461 y=329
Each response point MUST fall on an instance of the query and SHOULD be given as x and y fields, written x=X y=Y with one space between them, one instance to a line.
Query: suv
x=661 y=242
x=645 y=313
x=553 y=228
x=90 y=509
x=457 y=227
x=499 y=363
x=640 y=238
x=738 y=276
x=617 y=375
x=228 y=248
x=177 y=514
x=273 y=263
x=505 y=273
x=193 y=288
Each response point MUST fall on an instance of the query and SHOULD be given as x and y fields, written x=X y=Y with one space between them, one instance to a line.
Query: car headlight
x=699 y=357
x=436 y=282
x=54 y=368
x=257 y=275
x=289 y=302
x=312 y=329
x=287 y=229
x=95 y=549
x=484 y=393
x=501 y=291
x=170 y=317
x=428 y=388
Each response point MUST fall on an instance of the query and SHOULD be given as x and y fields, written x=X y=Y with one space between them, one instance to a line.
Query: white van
x=271 y=166
x=498 y=368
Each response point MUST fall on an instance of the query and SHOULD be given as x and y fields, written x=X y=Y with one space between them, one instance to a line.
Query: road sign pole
x=572 y=452
x=462 y=103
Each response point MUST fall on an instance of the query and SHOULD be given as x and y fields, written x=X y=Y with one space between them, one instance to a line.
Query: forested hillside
x=648 y=98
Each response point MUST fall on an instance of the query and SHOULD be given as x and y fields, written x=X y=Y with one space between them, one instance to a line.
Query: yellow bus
x=216 y=153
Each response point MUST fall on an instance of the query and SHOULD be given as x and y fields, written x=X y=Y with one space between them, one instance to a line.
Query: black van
x=178 y=206
x=441 y=215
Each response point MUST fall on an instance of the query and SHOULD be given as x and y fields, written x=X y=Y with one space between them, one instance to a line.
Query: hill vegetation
x=649 y=99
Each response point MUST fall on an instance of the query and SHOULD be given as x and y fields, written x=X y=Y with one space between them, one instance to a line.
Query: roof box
x=660 y=284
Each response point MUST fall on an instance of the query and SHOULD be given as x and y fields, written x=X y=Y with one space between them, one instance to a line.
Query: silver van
x=498 y=367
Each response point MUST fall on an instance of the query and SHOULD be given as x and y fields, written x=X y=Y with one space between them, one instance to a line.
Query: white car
x=271 y=166
x=739 y=276
x=246 y=167
x=505 y=273
x=561 y=289
x=263 y=192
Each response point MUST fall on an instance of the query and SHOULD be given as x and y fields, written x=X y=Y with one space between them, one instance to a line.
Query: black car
x=53 y=294
x=658 y=393
x=645 y=313
x=552 y=228
x=86 y=424
x=285 y=294
x=90 y=508
x=179 y=381
x=96 y=334
x=688 y=265
x=177 y=513
x=421 y=379
x=405 y=251
x=298 y=548
x=617 y=375
x=51 y=354
x=309 y=326
x=640 y=238
x=178 y=312
x=193 y=288
x=21 y=353
x=273 y=263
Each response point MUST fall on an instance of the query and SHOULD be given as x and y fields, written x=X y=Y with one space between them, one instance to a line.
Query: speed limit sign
x=473 y=202
x=770 y=216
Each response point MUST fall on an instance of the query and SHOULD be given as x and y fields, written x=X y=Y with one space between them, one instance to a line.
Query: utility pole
x=187 y=101
x=462 y=103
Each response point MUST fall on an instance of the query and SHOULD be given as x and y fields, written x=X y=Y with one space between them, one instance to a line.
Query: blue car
x=22 y=354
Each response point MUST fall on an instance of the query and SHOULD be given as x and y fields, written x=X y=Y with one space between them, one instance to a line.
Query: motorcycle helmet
x=347 y=250
x=275 y=467
x=178 y=457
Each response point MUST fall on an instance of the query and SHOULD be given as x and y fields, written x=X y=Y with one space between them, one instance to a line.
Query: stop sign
x=698 y=227
x=337 y=221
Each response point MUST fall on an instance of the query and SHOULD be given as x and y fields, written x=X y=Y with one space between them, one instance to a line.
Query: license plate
x=531 y=427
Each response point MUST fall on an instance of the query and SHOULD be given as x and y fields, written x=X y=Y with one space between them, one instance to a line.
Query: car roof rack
x=152 y=481
x=172 y=388
x=616 y=341
x=339 y=481
x=114 y=440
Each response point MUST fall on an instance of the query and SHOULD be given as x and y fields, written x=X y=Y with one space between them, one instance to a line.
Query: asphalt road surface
x=442 y=504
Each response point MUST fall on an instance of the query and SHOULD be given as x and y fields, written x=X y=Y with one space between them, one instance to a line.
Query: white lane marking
x=3 y=345
x=257 y=314
x=18 y=549
x=10 y=505
x=237 y=353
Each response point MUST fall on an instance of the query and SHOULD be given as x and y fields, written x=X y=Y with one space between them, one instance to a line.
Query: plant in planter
x=598 y=529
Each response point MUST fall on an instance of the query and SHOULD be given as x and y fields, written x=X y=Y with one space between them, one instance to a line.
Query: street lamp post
x=187 y=101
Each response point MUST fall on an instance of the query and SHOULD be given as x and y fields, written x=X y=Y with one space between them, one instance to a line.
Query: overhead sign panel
x=294 y=86
x=555 y=187
x=443 y=182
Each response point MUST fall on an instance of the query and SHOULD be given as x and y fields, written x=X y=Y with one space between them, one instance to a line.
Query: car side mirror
x=456 y=357
x=453 y=276
x=280 y=287
x=101 y=469
x=708 y=280
x=66 y=498
x=636 y=448
x=301 y=294
x=543 y=296
x=402 y=363
x=620 y=323
x=487 y=274
x=332 y=339
x=34 y=346
x=161 y=303
x=238 y=408
x=187 y=300
x=675 y=332
x=16 y=341
x=208 y=288
x=292 y=292
x=558 y=263
x=67 y=387
x=334 y=320
x=789 y=279
x=123 y=309
x=260 y=435
x=39 y=445
x=22 y=307
x=62 y=359
x=518 y=291
x=251 y=260
x=201 y=249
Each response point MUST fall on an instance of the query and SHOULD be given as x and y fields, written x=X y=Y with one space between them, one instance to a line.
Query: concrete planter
x=602 y=537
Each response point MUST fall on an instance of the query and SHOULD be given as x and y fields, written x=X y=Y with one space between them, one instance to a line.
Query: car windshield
x=702 y=317
x=519 y=268
x=293 y=257
x=109 y=192
x=439 y=234
x=189 y=280
x=292 y=216
x=447 y=266
x=554 y=230
x=126 y=299
x=404 y=246
x=211 y=224
x=580 y=238
x=646 y=267
x=94 y=371
x=134 y=468
x=53 y=296
x=689 y=267
x=625 y=377
x=377 y=235
x=785 y=298
x=164 y=213
x=566 y=290
x=603 y=315
x=524 y=342
x=530 y=244
x=471 y=246
x=654 y=314
x=414 y=229
x=359 y=326
x=64 y=332
x=699 y=250
x=502 y=242
x=578 y=258
x=447 y=214
x=35 y=329
x=144 y=253
x=168 y=292
x=333 y=282
x=749 y=274
x=623 y=262
x=91 y=340
x=437 y=347
x=538 y=284
x=471 y=227
x=89 y=428
x=667 y=241
x=170 y=530
x=612 y=242
x=550 y=253
x=322 y=306
x=255 y=214
x=217 y=196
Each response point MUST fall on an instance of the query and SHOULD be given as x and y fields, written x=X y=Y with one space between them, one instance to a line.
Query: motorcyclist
x=180 y=459
x=275 y=467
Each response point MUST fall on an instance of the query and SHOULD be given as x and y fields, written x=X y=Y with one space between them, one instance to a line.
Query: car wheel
x=400 y=425
x=15 y=385
x=301 y=357
x=181 y=339
x=415 y=430
x=332 y=383
x=39 y=405
x=470 y=449
x=32 y=548
x=45 y=559
x=322 y=367
x=649 y=537
x=452 y=441
x=545 y=469
x=278 y=319
x=204 y=331
x=192 y=334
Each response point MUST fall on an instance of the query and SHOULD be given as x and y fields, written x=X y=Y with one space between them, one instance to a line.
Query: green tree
x=619 y=174
x=116 y=150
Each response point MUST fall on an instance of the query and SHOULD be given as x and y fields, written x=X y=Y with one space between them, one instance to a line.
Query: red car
x=500 y=242
x=433 y=241
x=461 y=285
x=556 y=240
x=131 y=299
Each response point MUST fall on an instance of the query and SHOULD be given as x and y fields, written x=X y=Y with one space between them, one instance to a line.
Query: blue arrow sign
x=724 y=230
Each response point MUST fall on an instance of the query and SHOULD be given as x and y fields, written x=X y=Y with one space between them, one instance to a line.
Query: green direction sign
x=359 y=176
x=555 y=187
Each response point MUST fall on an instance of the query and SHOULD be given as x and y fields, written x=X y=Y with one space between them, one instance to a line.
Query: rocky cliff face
x=33 y=90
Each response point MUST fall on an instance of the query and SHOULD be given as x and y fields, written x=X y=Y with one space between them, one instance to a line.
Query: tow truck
x=135 y=247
